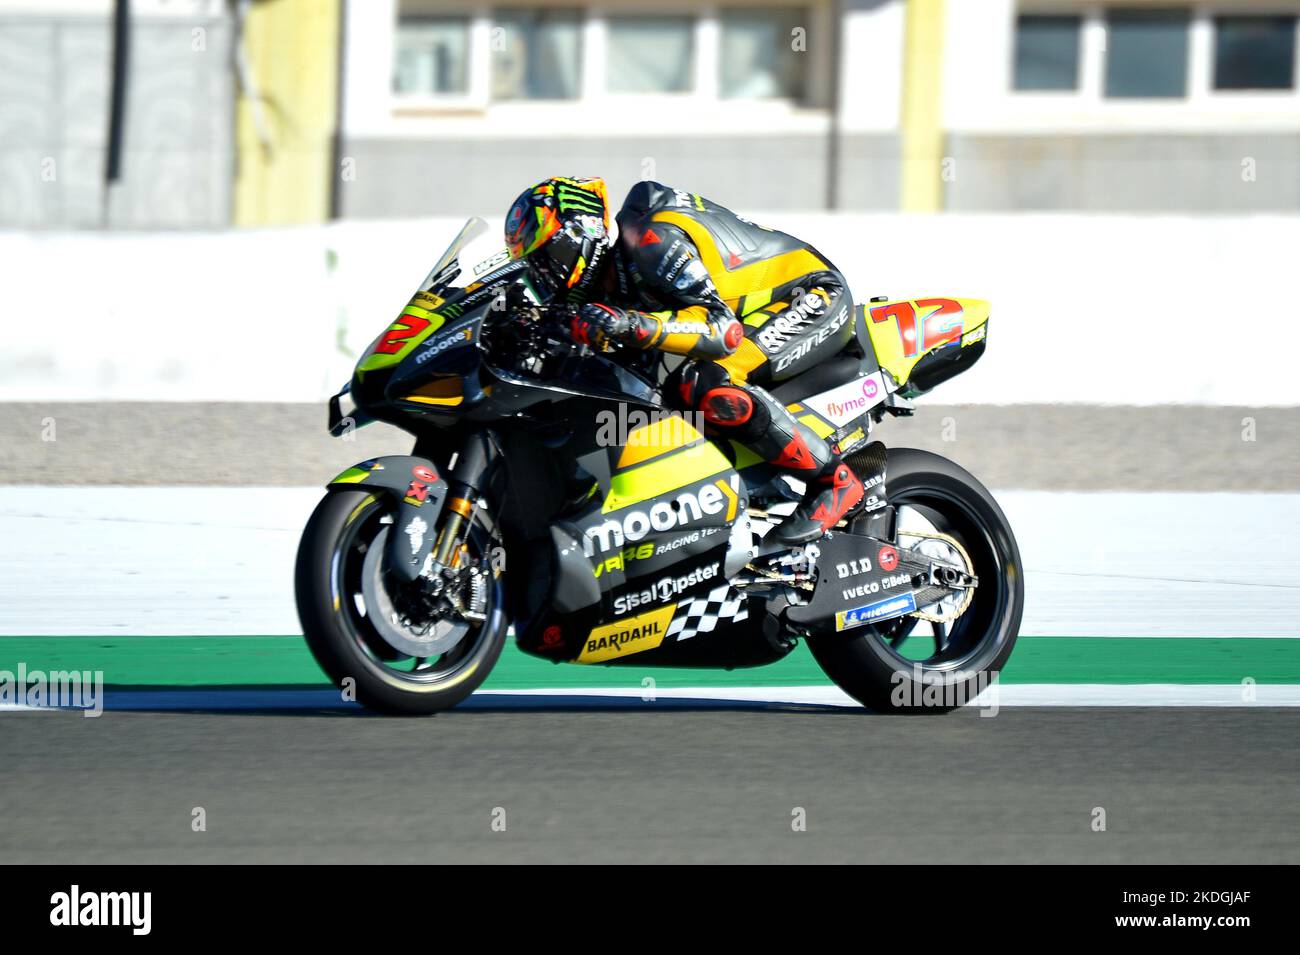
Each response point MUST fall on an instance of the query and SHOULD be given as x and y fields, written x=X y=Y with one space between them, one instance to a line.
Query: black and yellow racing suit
x=747 y=305
x=696 y=268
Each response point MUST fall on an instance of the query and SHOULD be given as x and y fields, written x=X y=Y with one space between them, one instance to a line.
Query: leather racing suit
x=747 y=306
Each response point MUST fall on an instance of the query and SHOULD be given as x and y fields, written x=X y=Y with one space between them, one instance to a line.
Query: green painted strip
x=225 y=661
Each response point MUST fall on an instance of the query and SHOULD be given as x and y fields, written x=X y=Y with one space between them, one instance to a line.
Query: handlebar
x=556 y=312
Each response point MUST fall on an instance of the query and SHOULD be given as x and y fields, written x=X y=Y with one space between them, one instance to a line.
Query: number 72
x=939 y=326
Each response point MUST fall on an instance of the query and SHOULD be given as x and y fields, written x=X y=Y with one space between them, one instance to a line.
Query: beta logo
x=887 y=558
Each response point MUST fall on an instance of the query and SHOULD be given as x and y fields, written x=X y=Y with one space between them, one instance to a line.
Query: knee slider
x=728 y=406
x=698 y=379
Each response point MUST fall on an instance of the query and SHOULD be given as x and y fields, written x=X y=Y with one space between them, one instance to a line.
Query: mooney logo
x=775 y=333
x=446 y=340
x=718 y=498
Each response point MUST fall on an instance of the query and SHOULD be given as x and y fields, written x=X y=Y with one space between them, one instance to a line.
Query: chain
x=780 y=578
x=968 y=593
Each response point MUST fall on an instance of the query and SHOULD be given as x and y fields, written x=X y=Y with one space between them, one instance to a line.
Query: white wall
x=1092 y=309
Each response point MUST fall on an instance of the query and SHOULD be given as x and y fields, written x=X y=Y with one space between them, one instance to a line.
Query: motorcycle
x=550 y=490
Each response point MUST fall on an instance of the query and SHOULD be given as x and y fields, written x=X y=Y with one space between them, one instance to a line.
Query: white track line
x=1012 y=695
x=1015 y=694
x=220 y=561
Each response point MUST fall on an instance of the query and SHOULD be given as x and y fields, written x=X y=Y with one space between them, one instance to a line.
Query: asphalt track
x=637 y=784
x=1023 y=446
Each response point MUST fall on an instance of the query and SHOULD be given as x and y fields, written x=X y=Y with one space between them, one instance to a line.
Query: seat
x=841 y=369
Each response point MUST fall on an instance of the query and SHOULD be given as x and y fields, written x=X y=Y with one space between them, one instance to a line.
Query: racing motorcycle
x=550 y=490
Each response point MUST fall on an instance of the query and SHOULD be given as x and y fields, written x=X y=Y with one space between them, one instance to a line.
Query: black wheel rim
x=971 y=639
x=345 y=572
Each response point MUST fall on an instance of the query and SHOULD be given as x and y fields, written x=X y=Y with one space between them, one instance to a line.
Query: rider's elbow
x=731 y=334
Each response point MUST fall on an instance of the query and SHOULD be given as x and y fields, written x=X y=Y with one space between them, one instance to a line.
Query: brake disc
x=945 y=550
x=430 y=640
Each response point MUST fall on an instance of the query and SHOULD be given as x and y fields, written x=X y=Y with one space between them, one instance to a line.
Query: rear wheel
x=349 y=614
x=914 y=664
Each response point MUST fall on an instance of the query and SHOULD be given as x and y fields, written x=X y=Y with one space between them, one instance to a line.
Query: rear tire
x=353 y=656
x=864 y=664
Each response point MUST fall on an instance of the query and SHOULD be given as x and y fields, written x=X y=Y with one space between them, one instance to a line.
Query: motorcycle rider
x=746 y=305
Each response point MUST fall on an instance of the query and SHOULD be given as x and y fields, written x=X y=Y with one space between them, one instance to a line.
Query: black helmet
x=561 y=227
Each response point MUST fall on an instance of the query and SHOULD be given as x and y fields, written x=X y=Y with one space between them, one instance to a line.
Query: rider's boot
x=833 y=490
x=830 y=496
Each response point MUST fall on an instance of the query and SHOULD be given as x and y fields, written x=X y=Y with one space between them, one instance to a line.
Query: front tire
x=349 y=648
x=869 y=665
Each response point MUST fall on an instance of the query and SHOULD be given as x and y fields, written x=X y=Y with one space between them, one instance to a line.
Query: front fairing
x=432 y=361
x=430 y=311
x=450 y=375
x=589 y=376
x=427 y=329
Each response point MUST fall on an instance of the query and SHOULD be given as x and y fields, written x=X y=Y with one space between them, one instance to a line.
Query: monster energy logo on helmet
x=571 y=197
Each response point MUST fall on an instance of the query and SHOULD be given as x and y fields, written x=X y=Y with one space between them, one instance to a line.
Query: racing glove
x=602 y=326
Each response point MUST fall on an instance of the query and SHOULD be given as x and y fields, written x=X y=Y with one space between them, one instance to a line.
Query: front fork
x=467 y=483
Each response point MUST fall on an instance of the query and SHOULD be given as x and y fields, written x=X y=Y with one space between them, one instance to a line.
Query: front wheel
x=350 y=616
x=913 y=664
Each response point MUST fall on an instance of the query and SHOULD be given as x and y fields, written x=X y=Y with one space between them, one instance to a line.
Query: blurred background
x=209 y=201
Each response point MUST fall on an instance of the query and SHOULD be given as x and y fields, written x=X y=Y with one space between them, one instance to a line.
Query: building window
x=758 y=55
x=650 y=54
x=432 y=56
x=1146 y=53
x=1254 y=53
x=537 y=54
x=1047 y=53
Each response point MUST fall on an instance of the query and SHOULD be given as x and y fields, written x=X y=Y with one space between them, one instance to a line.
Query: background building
x=279 y=111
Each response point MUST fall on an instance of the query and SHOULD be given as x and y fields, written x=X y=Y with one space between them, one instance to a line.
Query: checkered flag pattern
x=701 y=614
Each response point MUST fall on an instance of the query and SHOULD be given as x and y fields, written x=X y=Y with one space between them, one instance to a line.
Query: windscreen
x=447 y=266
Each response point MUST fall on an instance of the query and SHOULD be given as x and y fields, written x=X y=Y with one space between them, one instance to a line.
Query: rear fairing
x=923 y=342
